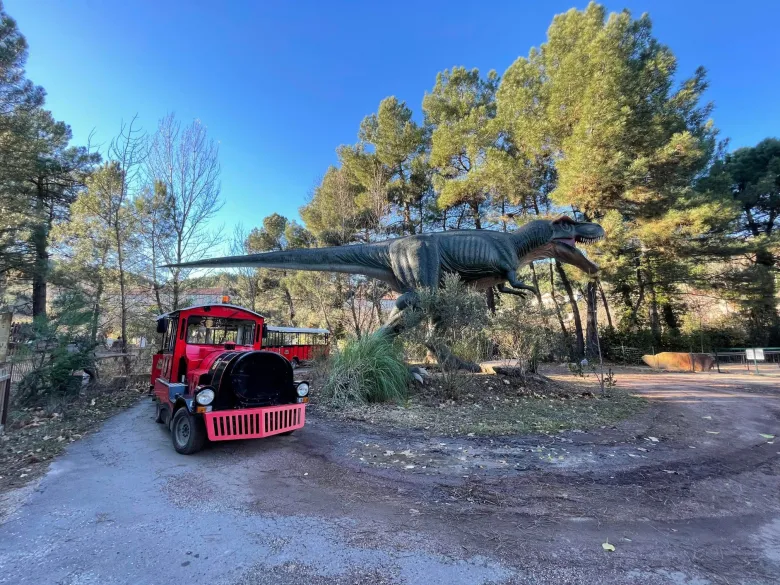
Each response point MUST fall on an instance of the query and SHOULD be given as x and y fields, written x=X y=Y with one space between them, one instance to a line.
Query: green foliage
x=454 y=328
x=454 y=316
x=370 y=369
x=459 y=109
x=58 y=347
x=750 y=179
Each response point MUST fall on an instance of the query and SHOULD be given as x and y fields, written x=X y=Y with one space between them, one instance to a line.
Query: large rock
x=679 y=361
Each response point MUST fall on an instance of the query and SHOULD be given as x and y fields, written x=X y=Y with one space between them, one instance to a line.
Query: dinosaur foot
x=419 y=375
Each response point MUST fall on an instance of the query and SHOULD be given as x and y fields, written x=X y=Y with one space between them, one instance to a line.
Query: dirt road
x=688 y=493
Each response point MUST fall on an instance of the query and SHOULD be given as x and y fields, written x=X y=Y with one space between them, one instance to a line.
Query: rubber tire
x=284 y=434
x=196 y=436
x=158 y=415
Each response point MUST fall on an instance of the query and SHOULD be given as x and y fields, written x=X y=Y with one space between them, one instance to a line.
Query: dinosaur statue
x=481 y=258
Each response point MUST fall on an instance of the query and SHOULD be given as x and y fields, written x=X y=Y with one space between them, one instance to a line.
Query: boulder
x=679 y=361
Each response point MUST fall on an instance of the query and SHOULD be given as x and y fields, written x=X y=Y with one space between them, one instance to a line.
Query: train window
x=218 y=331
x=169 y=340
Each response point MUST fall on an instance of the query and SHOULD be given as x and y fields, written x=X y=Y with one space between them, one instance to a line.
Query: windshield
x=219 y=331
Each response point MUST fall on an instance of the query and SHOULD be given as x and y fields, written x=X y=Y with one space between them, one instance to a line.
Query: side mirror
x=162 y=325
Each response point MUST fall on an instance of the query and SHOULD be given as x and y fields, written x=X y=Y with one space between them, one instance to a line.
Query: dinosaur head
x=567 y=233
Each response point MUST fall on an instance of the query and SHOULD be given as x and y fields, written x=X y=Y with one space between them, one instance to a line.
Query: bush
x=54 y=377
x=522 y=334
x=452 y=324
x=370 y=369
x=58 y=348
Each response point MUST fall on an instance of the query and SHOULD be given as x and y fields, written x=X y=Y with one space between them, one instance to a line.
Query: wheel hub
x=183 y=431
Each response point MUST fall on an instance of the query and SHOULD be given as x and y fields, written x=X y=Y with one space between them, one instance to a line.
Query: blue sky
x=281 y=84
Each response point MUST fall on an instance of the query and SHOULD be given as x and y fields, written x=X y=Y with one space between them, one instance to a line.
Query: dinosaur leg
x=443 y=353
x=403 y=315
x=518 y=284
x=416 y=263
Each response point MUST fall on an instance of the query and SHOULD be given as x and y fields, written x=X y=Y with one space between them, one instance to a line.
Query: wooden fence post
x=5 y=368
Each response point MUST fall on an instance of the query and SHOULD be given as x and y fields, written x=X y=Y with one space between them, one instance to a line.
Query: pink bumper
x=254 y=423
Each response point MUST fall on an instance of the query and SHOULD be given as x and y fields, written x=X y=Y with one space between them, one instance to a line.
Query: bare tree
x=128 y=152
x=156 y=234
x=185 y=162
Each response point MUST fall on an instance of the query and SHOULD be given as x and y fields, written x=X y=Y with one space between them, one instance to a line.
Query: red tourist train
x=214 y=376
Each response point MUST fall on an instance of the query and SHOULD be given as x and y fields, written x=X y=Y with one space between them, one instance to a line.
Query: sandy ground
x=688 y=493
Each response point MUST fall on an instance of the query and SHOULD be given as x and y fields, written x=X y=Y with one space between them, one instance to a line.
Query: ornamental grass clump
x=370 y=369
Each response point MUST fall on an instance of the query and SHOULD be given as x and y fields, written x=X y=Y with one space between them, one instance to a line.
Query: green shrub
x=370 y=369
x=57 y=347
x=54 y=377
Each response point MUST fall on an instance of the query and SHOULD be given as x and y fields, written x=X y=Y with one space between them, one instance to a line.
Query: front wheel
x=188 y=432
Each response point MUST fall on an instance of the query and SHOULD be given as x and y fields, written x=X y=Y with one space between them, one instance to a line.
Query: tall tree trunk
x=606 y=306
x=408 y=225
x=535 y=282
x=122 y=293
x=96 y=311
x=490 y=299
x=655 y=322
x=762 y=310
x=40 y=240
x=155 y=284
x=580 y=339
x=559 y=314
x=592 y=338
x=477 y=218
x=40 y=271
x=290 y=306
x=158 y=299
x=555 y=302
x=376 y=300
x=175 y=290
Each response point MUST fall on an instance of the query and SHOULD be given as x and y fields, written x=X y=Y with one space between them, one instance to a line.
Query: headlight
x=205 y=397
x=302 y=389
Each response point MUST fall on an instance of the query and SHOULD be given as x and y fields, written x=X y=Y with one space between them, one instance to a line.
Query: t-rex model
x=481 y=258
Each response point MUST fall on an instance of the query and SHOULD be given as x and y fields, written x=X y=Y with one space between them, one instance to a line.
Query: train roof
x=296 y=329
x=245 y=310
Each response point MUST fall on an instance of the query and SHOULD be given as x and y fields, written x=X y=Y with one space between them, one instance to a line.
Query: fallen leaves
x=608 y=547
x=767 y=436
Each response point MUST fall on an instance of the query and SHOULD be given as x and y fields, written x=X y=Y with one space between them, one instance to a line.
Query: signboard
x=755 y=354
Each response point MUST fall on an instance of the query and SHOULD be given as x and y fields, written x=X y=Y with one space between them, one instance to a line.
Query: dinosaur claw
x=419 y=374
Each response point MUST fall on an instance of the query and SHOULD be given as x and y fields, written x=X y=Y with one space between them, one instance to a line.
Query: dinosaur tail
x=369 y=259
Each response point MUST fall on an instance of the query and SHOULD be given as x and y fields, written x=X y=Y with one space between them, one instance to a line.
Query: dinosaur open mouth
x=566 y=251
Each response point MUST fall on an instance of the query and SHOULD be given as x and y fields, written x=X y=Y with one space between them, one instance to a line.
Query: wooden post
x=5 y=368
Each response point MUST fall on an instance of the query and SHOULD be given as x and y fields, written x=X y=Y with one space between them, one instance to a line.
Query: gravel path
x=688 y=494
